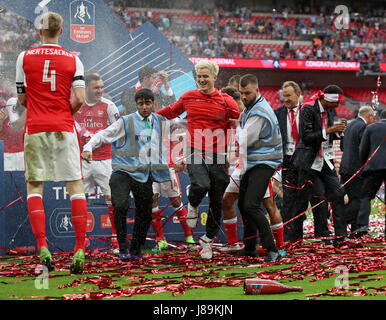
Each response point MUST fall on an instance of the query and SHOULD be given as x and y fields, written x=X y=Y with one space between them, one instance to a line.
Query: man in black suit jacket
x=350 y=164
x=288 y=118
x=374 y=173
x=314 y=155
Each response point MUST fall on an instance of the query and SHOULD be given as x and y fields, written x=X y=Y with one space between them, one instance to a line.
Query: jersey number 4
x=47 y=77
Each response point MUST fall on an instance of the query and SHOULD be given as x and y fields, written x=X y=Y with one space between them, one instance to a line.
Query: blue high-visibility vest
x=143 y=152
x=267 y=150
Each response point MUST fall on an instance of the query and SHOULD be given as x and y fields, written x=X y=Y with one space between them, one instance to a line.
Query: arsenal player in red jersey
x=12 y=121
x=44 y=78
x=96 y=114
x=208 y=118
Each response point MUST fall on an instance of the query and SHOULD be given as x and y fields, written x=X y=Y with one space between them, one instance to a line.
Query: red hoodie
x=208 y=117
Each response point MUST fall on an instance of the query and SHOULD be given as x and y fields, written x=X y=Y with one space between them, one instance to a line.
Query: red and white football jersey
x=46 y=74
x=94 y=118
x=13 y=140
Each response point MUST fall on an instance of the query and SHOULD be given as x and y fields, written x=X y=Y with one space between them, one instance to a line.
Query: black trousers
x=325 y=182
x=212 y=179
x=253 y=186
x=295 y=201
x=121 y=184
x=359 y=202
x=293 y=229
x=372 y=181
x=289 y=179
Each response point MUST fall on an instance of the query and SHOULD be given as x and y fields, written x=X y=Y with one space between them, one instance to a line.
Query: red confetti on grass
x=359 y=291
x=162 y=272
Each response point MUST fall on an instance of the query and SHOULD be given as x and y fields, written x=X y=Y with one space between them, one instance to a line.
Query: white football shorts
x=168 y=189
x=234 y=184
x=14 y=161
x=97 y=172
x=52 y=156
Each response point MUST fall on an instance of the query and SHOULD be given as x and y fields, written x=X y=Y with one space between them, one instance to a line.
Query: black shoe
x=359 y=232
x=272 y=256
x=246 y=253
x=124 y=257
x=360 y=229
x=328 y=242
x=138 y=256
x=357 y=235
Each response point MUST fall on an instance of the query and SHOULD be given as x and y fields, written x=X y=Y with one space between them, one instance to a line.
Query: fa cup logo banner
x=82 y=21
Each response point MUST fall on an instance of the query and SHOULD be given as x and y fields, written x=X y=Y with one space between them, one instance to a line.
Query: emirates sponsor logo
x=89 y=123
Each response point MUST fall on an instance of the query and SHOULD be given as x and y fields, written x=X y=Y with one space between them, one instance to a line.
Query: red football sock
x=111 y=217
x=277 y=231
x=156 y=223
x=231 y=228
x=79 y=220
x=261 y=251
x=182 y=214
x=37 y=218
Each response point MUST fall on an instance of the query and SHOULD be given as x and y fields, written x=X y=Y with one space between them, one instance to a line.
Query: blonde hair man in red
x=208 y=113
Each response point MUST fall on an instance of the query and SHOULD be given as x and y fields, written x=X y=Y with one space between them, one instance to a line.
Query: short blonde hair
x=211 y=65
x=51 y=23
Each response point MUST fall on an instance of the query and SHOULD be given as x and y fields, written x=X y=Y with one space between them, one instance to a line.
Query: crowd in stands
x=221 y=33
x=224 y=33
x=6 y=90
x=235 y=33
x=231 y=31
x=16 y=33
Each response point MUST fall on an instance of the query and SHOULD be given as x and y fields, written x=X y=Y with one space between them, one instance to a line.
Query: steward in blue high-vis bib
x=261 y=152
x=139 y=157
x=268 y=149
x=143 y=153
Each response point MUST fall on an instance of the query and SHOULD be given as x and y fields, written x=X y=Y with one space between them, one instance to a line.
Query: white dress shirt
x=111 y=134
x=318 y=162
x=290 y=139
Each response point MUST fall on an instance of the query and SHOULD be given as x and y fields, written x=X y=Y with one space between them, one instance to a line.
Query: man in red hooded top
x=208 y=113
